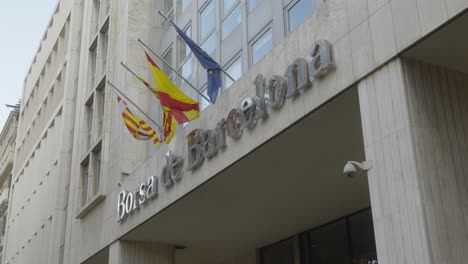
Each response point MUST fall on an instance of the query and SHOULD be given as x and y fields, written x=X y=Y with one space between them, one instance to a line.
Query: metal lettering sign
x=271 y=93
x=129 y=202
x=205 y=144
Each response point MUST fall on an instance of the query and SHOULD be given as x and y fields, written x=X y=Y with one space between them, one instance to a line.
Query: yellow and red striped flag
x=137 y=127
x=178 y=107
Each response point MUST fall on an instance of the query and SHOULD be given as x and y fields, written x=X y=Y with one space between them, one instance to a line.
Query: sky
x=22 y=26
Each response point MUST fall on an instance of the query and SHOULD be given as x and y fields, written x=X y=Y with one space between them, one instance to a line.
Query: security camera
x=351 y=167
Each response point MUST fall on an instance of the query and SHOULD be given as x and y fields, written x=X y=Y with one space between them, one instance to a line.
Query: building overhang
x=291 y=183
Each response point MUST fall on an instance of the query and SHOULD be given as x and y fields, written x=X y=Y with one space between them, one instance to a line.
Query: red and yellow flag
x=178 y=107
x=137 y=127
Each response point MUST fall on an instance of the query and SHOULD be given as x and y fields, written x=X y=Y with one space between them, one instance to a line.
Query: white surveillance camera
x=351 y=167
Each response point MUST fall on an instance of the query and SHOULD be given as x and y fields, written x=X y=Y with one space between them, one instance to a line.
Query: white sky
x=22 y=25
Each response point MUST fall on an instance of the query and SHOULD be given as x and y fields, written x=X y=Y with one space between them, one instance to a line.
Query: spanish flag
x=178 y=107
x=137 y=127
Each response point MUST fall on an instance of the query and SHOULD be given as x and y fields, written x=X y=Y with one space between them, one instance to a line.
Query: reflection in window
x=262 y=46
x=186 y=69
x=232 y=21
x=184 y=49
x=209 y=46
x=278 y=253
x=97 y=171
x=252 y=4
x=207 y=20
x=183 y=5
x=347 y=240
x=167 y=6
x=329 y=244
x=84 y=181
x=203 y=102
x=363 y=240
x=168 y=58
x=89 y=123
x=227 y=5
x=298 y=13
x=235 y=71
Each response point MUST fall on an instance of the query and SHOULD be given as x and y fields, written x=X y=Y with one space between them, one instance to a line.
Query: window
x=209 y=46
x=168 y=58
x=184 y=49
x=278 y=253
x=231 y=21
x=252 y=4
x=227 y=5
x=329 y=244
x=92 y=67
x=262 y=46
x=104 y=47
x=362 y=237
x=182 y=5
x=347 y=240
x=207 y=20
x=167 y=6
x=84 y=181
x=97 y=171
x=100 y=100
x=298 y=12
x=234 y=70
x=168 y=10
x=89 y=122
x=95 y=21
x=186 y=68
x=203 y=102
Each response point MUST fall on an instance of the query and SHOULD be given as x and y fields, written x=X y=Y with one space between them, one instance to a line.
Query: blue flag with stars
x=212 y=67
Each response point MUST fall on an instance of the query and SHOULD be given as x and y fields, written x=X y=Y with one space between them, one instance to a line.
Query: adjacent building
x=343 y=139
x=7 y=157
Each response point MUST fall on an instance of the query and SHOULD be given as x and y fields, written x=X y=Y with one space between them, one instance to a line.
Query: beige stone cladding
x=39 y=190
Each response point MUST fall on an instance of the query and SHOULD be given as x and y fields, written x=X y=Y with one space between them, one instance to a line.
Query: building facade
x=7 y=154
x=258 y=178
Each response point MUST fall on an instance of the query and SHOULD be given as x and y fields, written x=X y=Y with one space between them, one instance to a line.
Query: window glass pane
x=167 y=57
x=203 y=102
x=167 y=6
x=186 y=69
x=184 y=49
x=262 y=46
x=253 y=3
x=209 y=46
x=362 y=234
x=183 y=4
x=235 y=71
x=97 y=172
x=279 y=253
x=231 y=21
x=227 y=5
x=207 y=20
x=84 y=183
x=298 y=13
x=329 y=244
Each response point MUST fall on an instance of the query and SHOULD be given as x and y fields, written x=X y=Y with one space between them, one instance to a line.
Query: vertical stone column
x=124 y=252
x=415 y=128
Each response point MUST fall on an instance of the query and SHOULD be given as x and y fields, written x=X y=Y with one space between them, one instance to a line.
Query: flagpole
x=128 y=99
x=227 y=74
x=176 y=72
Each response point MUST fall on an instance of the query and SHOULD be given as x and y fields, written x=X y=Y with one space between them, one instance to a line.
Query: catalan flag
x=137 y=127
x=178 y=107
x=212 y=67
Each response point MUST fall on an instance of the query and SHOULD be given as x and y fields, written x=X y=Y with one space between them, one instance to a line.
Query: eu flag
x=212 y=67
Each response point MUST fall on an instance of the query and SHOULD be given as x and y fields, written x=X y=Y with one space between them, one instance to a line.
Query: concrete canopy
x=292 y=183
